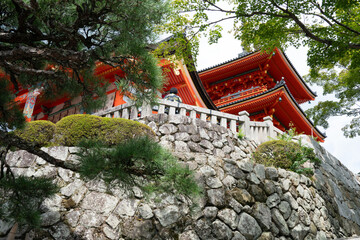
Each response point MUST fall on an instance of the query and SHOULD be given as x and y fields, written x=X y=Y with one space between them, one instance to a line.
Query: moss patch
x=72 y=129
x=40 y=132
x=276 y=153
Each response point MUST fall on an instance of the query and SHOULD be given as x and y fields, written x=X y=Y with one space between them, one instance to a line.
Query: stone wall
x=242 y=200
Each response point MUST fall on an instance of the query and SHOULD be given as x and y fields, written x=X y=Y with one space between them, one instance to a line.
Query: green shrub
x=137 y=157
x=72 y=129
x=275 y=153
x=286 y=154
x=40 y=132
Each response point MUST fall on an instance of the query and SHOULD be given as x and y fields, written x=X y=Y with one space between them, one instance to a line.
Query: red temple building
x=261 y=84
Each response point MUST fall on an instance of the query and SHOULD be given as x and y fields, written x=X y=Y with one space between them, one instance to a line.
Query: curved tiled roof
x=278 y=85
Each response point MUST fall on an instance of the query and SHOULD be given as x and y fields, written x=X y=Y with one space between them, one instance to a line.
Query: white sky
x=345 y=149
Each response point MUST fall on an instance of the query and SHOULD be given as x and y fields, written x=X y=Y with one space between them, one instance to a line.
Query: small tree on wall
x=56 y=45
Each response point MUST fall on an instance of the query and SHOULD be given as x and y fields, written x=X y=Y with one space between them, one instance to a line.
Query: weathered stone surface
x=167 y=215
x=263 y=215
x=207 y=171
x=289 y=198
x=73 y=217
x=229 y=217
x=235 y=205
x=271 y=173
x=216 y=197
x=213 y=182
x=257 y=192
x=206 y=144
x=195 y=147
x=113 y=221
x=71 y=188
x=285 y=209
x=5 y=227
x=266 y=236
x=181 y=146
x=238 y=236
x=127 y=207
x=259 y=170
x=168 y=129
x=286 y=184
x=242 y=196
x=280 y=221
x=210 y=212
x=253 y=178
x=91 y=219
x=269 y=187
x=245 y=165
x=229 y=182
x=273 y=200
x=234 y=171
x=221 y=230
x=49 y=218
x=99 y=202
x=145 y=211
x=299 y=232
x=110 y=233
x=188 y=235
x=59 y=152
x=138 y=229
x=293 y=220
x=60 y=231
x=203 y=229
x=203 y=134
x=303 y=216
x=248 y=226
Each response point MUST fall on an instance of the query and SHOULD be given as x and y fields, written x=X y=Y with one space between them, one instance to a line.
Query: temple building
x=260 y=83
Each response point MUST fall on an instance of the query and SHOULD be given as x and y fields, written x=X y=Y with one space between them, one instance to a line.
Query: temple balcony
x=253 y=130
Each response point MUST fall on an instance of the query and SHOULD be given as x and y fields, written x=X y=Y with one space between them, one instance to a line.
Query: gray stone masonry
x=241 y=200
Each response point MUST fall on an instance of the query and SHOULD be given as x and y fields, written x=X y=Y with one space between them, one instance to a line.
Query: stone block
x=99 y=202
x=248 y=226
x=167 y=215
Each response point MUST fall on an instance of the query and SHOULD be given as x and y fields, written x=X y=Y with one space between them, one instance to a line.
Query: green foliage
x=56 y=47
x=240 y=134
x=72 y=129
x=329 y=29
x=20 y=198
x=39 y=132
x=138 y=161
x=286 y=154
x=10 y=115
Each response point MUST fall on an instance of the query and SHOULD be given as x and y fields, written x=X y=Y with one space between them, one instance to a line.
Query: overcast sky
x=345 y=149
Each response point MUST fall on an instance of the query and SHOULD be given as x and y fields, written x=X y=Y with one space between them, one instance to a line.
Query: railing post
x=223 y=122
x=213 y=119
x=182 y=111
x=192 y=114
x=245 y=119
x=269 y=122
x=161 y=108
x=233 y=126
x=146 y=110
x=117 y=114
x=134 y=112
x=125 y=113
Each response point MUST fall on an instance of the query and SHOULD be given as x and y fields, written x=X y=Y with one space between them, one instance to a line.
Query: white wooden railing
x=258 y=131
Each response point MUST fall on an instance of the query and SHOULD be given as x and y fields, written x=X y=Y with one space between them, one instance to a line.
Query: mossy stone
x=72 y=129
x=39 y=132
